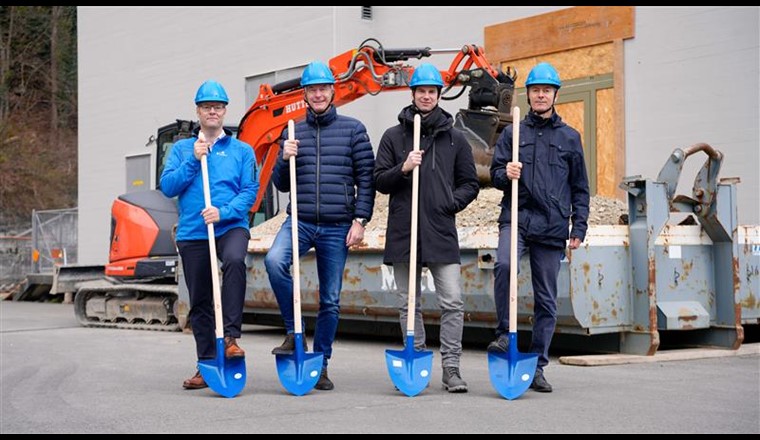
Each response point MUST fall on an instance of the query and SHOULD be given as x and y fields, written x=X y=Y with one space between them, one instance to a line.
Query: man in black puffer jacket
x=448 y=183
x=336 y=195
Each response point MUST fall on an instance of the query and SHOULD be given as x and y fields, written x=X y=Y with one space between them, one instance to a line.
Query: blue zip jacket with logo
x=232 y=180
x=553 y=187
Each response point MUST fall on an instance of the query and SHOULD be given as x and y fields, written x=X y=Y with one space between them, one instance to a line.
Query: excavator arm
x=371 y=69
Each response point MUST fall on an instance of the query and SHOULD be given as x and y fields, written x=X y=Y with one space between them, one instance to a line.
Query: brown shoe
x=195 y=383
x=232 y=350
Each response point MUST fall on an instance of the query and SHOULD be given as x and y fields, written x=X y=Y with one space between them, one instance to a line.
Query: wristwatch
x=362 y=221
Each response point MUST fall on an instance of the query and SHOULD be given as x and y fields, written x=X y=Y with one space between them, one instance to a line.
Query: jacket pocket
x=350 y=205
x=451 y=203
x=562 y=208
x=559 y=161
x=559 y=219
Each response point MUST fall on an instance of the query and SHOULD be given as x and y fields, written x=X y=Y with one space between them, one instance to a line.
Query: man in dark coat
x=448 y=183
x=553 y=192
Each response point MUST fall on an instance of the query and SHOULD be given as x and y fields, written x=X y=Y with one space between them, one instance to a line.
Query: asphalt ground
x=59 y=377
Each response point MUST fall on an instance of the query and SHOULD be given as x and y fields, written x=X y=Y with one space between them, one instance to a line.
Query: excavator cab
x=142 y=246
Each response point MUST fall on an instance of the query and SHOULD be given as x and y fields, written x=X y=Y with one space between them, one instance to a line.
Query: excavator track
x=129 y=306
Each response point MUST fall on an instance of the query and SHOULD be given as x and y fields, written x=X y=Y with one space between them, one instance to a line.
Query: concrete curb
x=660 y=356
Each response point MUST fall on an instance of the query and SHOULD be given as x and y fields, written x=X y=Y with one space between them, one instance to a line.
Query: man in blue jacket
x=336 y=194
x=233 y=191
x=553 y=193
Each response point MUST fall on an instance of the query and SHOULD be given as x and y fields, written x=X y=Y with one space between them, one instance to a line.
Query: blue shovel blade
x=512 y=373
x=299 y=372
x=409 y=369
x=224 y=376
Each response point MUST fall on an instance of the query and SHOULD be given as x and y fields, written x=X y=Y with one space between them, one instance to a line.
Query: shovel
x=512 y=372
x=225 y=376
x=410 y=369
x=299 y=372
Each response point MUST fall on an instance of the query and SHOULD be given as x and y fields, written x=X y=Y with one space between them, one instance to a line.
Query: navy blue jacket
x=333 y=169
x=553 y=187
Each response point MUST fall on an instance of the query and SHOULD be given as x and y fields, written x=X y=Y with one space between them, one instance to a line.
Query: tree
x=38 y=110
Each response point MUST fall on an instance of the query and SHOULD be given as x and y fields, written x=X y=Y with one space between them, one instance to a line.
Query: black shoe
x=324 y=383
x=452 y=380
x=540 y=384
x=289 y=345
x=499 y=345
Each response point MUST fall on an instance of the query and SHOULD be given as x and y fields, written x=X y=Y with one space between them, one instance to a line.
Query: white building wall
x=693 y=75
x=139 y=68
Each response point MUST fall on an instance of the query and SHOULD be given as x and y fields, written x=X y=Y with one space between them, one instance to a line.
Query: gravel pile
x=481 y=212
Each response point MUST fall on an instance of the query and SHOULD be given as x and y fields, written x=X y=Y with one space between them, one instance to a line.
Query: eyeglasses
x=217 y=107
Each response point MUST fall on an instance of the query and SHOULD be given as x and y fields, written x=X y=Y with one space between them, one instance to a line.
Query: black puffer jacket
x=448 y=183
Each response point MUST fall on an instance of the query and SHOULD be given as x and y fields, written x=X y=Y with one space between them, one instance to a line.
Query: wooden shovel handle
x=294 y=234
x=411 y=304
x=218 y=322
x=513 y=261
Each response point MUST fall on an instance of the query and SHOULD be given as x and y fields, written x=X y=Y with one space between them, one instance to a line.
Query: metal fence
x=54 y=239
x=15 y=255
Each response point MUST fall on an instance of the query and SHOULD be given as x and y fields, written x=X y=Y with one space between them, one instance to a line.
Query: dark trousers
x=544 y=268
x=231 y=248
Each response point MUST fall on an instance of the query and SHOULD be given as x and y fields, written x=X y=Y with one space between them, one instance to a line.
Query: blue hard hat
x=211 y=91
x=426 y=74
x=317 y=72
x=543 y=73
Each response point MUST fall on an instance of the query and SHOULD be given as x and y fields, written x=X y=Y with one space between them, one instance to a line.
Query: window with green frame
x=582 y=90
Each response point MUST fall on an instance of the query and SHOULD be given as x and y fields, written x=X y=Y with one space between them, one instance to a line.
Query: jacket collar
x=436 y=121
x=534 y=120
x=325 y=118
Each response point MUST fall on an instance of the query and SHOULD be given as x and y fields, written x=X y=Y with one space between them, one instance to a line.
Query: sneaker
x=195 y=383
x=540 y=384
x=499 y=345
x=324 y=383
x=231 y=348
x=452 y=380
x=289 y=345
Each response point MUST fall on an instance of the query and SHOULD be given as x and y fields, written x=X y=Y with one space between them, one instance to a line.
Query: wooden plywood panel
x=619 y=106
x=607 y=156
x=558 y=31
x=572 y=114
x=577 y=63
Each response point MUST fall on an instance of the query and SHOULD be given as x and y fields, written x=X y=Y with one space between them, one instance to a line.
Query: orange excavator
x=371 y=69
x=140 y=288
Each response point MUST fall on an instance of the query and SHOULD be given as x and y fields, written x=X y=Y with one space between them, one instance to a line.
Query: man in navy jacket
x=336 y=194
x=553 y=193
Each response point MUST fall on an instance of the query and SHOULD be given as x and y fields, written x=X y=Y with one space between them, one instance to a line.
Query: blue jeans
x=329 y=243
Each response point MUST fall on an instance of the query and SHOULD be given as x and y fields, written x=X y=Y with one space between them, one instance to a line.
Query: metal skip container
x=697 y=275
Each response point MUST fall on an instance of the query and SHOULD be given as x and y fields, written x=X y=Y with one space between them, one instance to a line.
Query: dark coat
x=333 y=169
x=553 y=187
x=448 y=183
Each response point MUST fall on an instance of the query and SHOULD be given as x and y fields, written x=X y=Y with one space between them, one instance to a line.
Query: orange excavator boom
x=370 y=70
